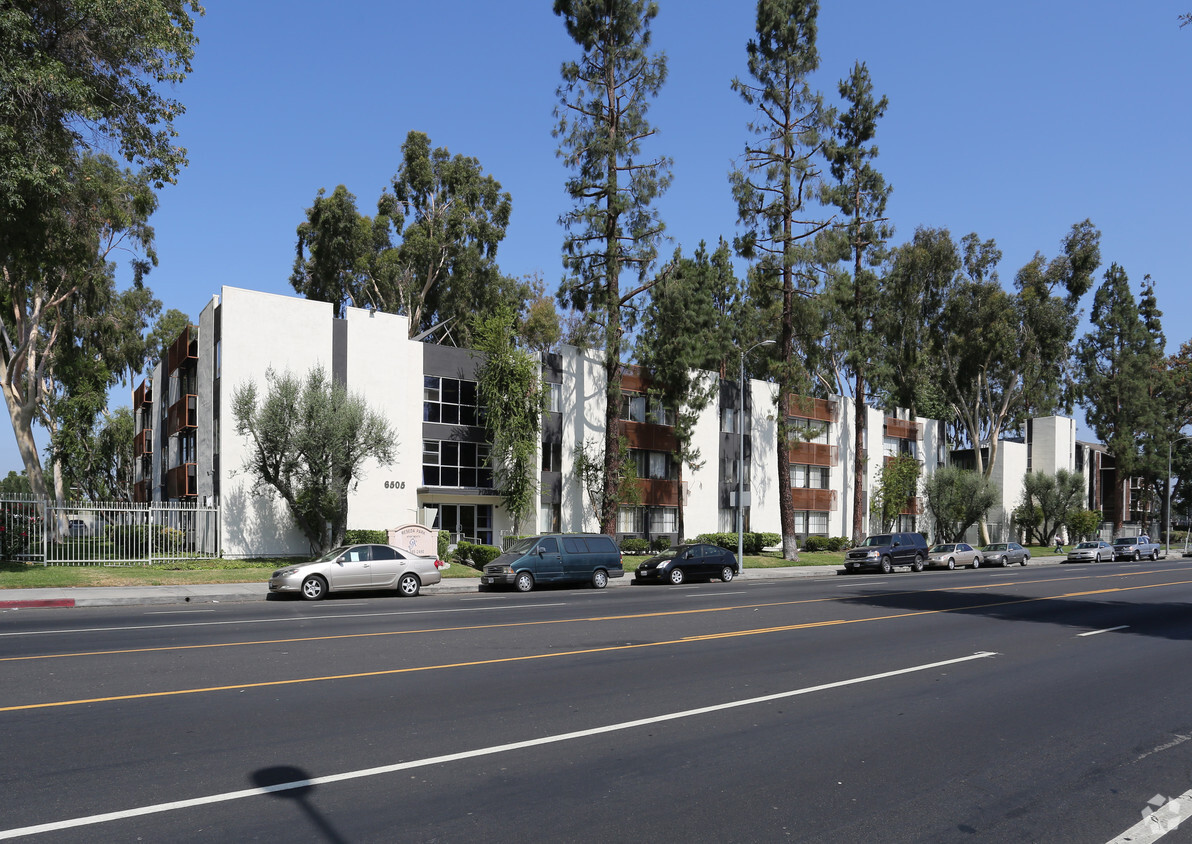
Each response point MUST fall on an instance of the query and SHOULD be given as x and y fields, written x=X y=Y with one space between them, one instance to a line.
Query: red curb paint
x=49 y=602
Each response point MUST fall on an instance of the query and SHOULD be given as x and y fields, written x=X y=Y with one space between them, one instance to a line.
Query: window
x=466 y=522
x=633 y=407
x=450 y=401
x=811 y=523
x=552 y=457
x=630 y=520
x=663 y=520
x=456 y=464
x=728 y=420
x=810 y=477
x=809 y=431
x=660 y=414
x=554 y=398
x=654 y=465
x=549 y=516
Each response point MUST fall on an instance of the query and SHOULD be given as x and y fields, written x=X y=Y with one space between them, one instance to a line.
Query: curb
x=33 y=604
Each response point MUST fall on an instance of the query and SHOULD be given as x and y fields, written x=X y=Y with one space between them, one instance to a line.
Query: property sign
x=417 y=539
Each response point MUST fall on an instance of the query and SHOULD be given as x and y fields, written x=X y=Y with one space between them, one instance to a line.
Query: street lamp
x=1167 y=537
x=741 y=461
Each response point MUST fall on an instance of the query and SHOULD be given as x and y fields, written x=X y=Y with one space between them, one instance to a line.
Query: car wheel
x=524 y=581
x=917 y=565
x=1137 y=556
x=886 y=567
x=727 y=573
x=314 y=588
x=951 y=564
x=1006 y=562
x=1155 y=556
x=408 y=585
x=976 y=562
x=1096 y=558
x=599 y=578
x=1025 y=559
x=675 y=576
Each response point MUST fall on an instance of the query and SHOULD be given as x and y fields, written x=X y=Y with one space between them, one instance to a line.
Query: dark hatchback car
x=688 y=561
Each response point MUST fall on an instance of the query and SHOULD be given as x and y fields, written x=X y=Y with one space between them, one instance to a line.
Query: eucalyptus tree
x=775 y=186
x=78 y=79
x=687 y=335
x=339 y=255
x=860 y=193
x=308 y=439
x=510 y=389
x=602 y=127
x=1120 y=359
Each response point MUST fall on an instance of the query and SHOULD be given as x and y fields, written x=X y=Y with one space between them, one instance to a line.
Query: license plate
x=487 y=579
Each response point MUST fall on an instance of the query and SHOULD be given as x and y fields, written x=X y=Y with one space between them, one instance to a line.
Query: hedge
x=753 y=543
x=634 y=545
x=366 y=537
x=476 y=556
x=826 y=543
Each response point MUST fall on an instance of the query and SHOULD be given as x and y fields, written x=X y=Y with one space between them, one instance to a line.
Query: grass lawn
x=16 y=575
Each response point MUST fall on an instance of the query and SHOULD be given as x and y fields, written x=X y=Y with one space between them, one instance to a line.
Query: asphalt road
x=1025 y=704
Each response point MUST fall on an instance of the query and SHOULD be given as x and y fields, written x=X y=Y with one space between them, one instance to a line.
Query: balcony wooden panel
x=815 y=454
x=184 y=349
x=649 y=436
x=180 y=482
x=814 y=499
x=914 y=507
x=633 y=381
x=142 y=396
x=802 y=407
x=657 y=493
x=140 y=492
x=142 y=443
x=903 y=429
x=183 y=414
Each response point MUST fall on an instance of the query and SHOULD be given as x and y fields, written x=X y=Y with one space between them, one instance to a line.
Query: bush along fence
x=83 y=533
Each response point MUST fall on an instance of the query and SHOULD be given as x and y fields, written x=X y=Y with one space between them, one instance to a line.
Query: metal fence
x=86 y=533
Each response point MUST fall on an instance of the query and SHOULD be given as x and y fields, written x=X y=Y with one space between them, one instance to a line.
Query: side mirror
x=686 y=555
x=540 y=550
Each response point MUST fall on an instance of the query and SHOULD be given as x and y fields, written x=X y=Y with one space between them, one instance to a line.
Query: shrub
x=444 y=544
x=482 y=555
x=463 y=553
x=659 y=543
x=769 y=540
x=634 y=545
x=815 y=543
x=363 y=537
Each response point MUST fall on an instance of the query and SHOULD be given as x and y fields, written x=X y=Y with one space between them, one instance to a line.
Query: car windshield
x=943 y=549
x=872 y=541
x=997 y=546
x=1124 y=540
x=332 y=554
x=522 y=547
x=1088 y=545
x=670 y=554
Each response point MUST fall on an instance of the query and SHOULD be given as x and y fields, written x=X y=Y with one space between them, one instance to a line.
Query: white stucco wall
x=702 y=510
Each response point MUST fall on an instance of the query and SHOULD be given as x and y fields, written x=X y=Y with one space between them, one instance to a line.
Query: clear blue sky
x=1013 y=119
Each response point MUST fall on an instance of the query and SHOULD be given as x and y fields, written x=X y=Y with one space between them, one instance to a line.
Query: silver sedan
x=1004 y=554
x=953 y=555
x=358 y=567
x=1090 y=552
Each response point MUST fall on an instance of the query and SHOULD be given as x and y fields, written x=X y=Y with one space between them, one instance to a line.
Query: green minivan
x=556 y=558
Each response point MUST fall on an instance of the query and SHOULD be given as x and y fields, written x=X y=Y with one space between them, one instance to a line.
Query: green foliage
x=589 y=466
x=308 y=440
x=1048 y=502
x=362 y=537
x=956 y=500
x=826 y=543
x=476 y=556
x=898 y=483
x=134 y=540
x=1083 y=524
x=635 y=545
x=753 y=542
x=611 y=226
x=337 y=259
x=510 y=389
x=659 y=544
x=444 y=543
x=14 y=484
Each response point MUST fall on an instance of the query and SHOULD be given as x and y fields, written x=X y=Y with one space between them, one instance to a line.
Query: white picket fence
x=87 y=533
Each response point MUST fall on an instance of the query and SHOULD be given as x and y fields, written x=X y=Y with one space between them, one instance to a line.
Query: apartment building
x=188 y=447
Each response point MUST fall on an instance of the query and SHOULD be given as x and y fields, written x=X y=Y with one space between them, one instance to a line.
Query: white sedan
x=954 y=554
x=358 y=567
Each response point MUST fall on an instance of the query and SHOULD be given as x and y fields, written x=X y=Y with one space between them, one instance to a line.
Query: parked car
x=683 y=561
x=561 y=558
x=77 y=527
x=353 y=567
x=1004 y=554
x=1096 y=551
x=885 y=550
x=949 y=555
x=1135 y=548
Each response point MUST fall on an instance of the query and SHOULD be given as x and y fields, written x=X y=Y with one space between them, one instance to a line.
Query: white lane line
x=864 y=583
x=1167 y=818
x=269 y=620
x=177 y=612
x=468 y=754
x=717 y=594
x=1106 y=630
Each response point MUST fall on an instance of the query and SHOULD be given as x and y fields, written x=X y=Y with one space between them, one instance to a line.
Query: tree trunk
x=858 y=460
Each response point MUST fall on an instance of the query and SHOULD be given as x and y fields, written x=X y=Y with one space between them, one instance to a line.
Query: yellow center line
x=581 y=652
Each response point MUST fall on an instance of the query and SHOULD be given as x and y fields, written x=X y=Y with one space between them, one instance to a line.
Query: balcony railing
x=659 y=493
x=183 y=414
x=815 y=454
x=142 y=396
x=142 y=443
x=180 y=482
x=650 y=437
x=914 y=507
x=803 y=407
x=184 y=349
x=814 y=499
x=902 y=428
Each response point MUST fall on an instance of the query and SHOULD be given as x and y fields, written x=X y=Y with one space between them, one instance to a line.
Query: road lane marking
x=1106 y=630
x=175 y=805
x=1167 y=818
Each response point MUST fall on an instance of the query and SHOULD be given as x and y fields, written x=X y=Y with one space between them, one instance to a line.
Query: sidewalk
x=228 y=593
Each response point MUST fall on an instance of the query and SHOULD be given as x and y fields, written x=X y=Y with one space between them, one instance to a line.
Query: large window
x=810 y=477
x=450 y=401
x=655 y=465
x=636 y=407
x=466 y=522
x=809 y=431
x=634 y=520
x=663 y=520
x=552 y=457
x=631 y=520
x=554 y=401
x=456 y=464
x=811 y=523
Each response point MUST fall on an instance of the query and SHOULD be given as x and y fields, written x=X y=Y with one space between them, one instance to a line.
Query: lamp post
x=1167 y=536
x=741 y=461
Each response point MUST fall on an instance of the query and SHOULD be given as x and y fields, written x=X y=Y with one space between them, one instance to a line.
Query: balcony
x=814 y=499
x=142 y=443
x=183 y=350
x=914 y=507
x=649 y=436
x=140 y=492
x=142 y=396
x=658 y=493
x=802 y=407
x=815 y=454
x=903 y=429
x=183 y=414
x=180 y=482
